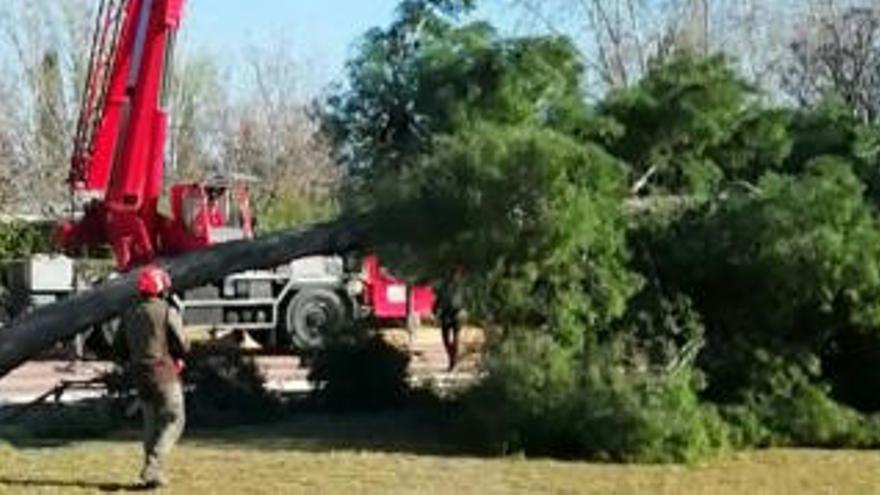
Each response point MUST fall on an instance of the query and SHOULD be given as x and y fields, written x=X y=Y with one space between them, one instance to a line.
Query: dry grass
x=259 y=460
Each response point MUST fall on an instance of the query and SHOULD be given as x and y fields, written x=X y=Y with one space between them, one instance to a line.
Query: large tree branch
x=644 y=180
x=40 y=330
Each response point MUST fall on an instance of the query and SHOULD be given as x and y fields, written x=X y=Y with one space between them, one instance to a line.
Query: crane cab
x=208 y=213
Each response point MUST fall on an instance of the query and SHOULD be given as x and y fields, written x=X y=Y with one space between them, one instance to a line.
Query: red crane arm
x=121 y=132
x=120 y=140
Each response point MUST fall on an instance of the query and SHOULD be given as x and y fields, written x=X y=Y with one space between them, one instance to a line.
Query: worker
x=214 y=215
x=156 y=345
x=449 y=310
x=210 y=214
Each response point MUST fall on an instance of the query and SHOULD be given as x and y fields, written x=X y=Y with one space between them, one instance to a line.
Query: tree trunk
x=41 y=329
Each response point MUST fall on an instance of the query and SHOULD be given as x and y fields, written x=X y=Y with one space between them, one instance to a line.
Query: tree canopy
x=683 y=254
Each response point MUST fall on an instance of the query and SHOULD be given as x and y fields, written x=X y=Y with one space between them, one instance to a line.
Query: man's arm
x=175 y=328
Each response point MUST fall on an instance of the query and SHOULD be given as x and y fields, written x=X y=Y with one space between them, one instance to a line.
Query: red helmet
x=153 y=281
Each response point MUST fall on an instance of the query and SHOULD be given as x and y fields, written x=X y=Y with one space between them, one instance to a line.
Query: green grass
x=396 y=454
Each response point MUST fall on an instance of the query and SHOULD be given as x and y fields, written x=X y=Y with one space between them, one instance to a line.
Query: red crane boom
x=118 y=160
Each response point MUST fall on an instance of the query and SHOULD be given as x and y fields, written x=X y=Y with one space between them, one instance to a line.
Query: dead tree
x=838 y=54
x=40 y=330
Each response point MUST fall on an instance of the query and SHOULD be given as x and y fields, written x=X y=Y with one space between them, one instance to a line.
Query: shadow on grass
x=58 y=425
x=84 y=485
x=411 y=431
x=424 y=429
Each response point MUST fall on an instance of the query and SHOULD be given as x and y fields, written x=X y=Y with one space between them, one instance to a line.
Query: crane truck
x=116 y=179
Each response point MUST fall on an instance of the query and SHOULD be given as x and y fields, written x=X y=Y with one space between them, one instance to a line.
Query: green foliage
x=692 y=125
x=849 y=363
x=866 y=154
x=786 y=280
x=745 y=279
x=828 y=129
x=658 y=333
x=227 y=388
x=541 y=399
x=426 y=77
x=364 y=374
x=289 y=210
x=831 y=130
x=454 y=134
x=531 y=214
x=788 y=269
x=21 y=239
x=786 y=406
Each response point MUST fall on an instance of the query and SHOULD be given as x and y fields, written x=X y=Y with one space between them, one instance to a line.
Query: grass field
x=339 y=455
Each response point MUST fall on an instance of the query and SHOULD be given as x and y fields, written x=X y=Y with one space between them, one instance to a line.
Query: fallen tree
x=46 y=326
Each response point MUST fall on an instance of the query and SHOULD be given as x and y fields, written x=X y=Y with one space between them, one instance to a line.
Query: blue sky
x=312 y=28
x=320 y=33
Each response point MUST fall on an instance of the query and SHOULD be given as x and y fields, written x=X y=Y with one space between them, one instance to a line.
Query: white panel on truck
x=317 y=268
x=47 y=273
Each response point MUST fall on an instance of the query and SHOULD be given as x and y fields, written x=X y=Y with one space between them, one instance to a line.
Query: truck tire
x=312 y=315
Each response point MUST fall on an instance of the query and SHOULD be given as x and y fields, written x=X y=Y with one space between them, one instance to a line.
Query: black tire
x=313 y=315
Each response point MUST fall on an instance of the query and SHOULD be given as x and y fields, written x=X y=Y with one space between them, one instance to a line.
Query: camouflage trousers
x=164 y=419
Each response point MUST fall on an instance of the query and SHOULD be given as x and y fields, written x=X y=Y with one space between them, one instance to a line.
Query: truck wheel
x=312 y=315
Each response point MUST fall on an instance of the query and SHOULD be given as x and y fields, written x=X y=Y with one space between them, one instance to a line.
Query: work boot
x=152 y=476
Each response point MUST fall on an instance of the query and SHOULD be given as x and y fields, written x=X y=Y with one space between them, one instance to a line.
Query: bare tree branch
x=838 y=52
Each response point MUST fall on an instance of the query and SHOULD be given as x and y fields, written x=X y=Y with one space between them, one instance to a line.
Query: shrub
x=694 y=123
x=227 y=388
x=19 y=239
x=223 y=387
x=850 y=366
x=790 y=269
x=765 y=285
x=360 y=374
x=541 y=399
x=788 y=404
x=648 y=418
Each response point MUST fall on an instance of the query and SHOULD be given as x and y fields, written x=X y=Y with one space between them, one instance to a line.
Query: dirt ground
x=428 y=361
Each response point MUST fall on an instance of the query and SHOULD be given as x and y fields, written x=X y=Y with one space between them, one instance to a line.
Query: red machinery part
x=392 y=298
x=118 y=158
x=119 y=152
